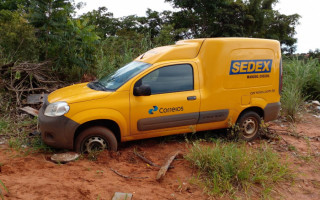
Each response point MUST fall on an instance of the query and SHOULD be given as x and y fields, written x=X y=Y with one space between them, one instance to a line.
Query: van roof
x=189 y=49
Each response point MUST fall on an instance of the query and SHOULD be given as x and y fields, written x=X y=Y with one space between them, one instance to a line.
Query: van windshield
x=116 y=79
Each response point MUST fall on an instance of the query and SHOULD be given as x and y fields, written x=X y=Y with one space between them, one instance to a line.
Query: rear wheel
x=96 y=138
x=249 y=125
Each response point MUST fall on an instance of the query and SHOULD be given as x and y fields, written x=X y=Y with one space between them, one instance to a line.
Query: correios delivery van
x=194 y=85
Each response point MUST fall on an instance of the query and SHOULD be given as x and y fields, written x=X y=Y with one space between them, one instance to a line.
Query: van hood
x=76 y=93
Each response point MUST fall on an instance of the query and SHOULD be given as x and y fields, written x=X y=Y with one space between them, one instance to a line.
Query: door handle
x=191 y=98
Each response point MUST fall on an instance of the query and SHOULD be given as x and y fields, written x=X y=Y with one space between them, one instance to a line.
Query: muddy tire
x=249 y=126
x=96 y=138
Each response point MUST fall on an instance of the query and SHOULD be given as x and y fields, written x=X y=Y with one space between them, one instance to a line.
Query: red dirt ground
x=34 y=177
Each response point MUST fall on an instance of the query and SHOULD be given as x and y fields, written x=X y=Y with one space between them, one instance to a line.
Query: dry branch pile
x=22 y=79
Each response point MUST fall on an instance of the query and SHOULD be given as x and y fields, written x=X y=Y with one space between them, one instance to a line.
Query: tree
x=17 y=38
x=235 y=18
x=105 y=24
x=268 y=23
x=49 y=17
x=77 y=45
x=66 y=41
x=13 y=5
x=314 y=54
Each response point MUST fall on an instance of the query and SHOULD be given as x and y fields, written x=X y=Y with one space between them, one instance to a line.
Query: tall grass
x=301 y=81
x=115 y=52
x=230 y=167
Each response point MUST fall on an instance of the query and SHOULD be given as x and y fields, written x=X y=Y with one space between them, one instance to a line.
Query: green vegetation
x=4 y=188
x=228 y=168
x=98 y=43
x=17 y=133
x=301 y=81
x=8 y=126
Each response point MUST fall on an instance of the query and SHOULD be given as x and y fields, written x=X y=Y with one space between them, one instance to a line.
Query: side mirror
x=143 y=90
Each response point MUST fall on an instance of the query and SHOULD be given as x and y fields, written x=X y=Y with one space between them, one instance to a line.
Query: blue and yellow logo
x=165 y=110
x=250 y=66
x=154 y=109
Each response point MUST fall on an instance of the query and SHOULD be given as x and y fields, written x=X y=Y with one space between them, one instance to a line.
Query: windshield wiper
x=100 y=85
x=97 y=86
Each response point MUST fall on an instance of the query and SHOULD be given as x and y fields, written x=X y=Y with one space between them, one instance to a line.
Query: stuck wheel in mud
x=249 y=125
x=96 y=138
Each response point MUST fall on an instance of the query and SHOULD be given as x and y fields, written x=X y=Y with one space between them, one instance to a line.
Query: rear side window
x=174 y=78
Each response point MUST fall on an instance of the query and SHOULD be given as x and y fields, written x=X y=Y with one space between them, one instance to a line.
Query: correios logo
x=165 y=110
x=154 y=109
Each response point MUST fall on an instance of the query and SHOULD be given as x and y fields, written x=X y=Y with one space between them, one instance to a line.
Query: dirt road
x=33 y=176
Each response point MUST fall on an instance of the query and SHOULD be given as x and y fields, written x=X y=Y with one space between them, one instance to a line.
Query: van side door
x=173 y=104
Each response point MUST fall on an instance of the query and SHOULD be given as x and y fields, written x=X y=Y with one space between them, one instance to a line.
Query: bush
x=229 y=167
x=301 y=81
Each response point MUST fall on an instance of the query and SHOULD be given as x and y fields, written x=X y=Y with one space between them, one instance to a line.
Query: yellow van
x=194 y=85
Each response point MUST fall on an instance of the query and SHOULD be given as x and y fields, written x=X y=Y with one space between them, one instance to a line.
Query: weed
x=233 y=132
x=93 y=155
x=264 y=128
x=306 y=158
x=180 y=184
x=23 y=141
x=230 y=167
x=37 y=144
x=99 y=172
x=16 y=143
x=309 y=155
x=4 y=188
x=14 y=126
x=292 y=129
x=292 y=101
x=292 y=148
x=17 y=131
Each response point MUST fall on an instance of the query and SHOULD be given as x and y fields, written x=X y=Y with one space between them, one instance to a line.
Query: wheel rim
x=249 y=127
x=94 y=144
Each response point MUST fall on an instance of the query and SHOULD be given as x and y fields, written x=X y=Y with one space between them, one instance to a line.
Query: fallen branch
x=273 y=135
x=165 y=167
x=145 y=159
x=148 y=161
x=124 y=176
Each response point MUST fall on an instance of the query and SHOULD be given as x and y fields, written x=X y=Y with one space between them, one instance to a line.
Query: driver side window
x=173 y=78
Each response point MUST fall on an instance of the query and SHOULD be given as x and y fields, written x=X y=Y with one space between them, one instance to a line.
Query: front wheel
x=96 y=138
x=249 y=125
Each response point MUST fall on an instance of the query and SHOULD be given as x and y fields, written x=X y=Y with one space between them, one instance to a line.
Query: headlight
x=56 y=109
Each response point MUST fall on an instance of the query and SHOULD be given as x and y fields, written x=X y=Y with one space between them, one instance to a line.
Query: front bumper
x=56 y=132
